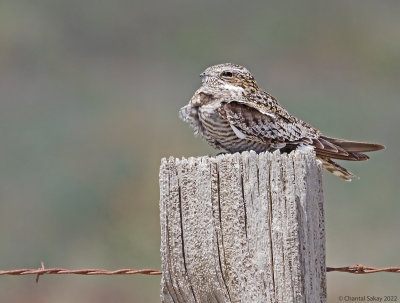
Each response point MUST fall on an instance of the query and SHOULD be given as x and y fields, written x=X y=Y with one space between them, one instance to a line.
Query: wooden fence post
x=243 y=228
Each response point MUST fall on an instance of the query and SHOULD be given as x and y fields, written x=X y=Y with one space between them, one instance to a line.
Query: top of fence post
x=243 y=228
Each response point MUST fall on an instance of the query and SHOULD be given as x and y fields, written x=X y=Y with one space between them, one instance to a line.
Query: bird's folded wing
x=260 y=125
x=254 y=121
x=247 y=120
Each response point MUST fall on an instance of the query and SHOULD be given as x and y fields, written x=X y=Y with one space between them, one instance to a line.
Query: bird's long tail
x=328 y=148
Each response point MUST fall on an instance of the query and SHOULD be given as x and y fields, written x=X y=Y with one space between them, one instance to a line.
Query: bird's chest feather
x=219 y=133
x=214 y=127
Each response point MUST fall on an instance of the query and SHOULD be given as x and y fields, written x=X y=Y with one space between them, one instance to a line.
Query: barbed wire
x=90 y=272
x=361 y=269
x=355 y=269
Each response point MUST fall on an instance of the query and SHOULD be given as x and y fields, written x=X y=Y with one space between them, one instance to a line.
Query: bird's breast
x=219 y=133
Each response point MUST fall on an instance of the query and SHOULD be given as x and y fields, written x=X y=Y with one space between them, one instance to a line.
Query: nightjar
x=232 y=113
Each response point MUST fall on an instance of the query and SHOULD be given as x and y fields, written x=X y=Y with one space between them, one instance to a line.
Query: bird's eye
x=227 y=74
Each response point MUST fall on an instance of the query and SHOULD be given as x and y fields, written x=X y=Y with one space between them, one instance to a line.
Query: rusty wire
x=361 y=269
x=355 y=269
x=91 y=272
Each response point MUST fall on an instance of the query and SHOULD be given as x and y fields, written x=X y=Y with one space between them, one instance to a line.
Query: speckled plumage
x=232 y=113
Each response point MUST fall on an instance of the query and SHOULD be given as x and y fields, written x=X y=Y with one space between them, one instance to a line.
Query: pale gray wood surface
x=242 y=228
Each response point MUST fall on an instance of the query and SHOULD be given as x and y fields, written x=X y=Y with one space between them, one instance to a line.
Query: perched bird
x=232 y=113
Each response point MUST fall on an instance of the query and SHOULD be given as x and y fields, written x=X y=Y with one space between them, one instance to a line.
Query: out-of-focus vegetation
x=89 y=97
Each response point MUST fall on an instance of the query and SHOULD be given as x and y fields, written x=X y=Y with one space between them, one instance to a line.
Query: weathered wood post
x=243 y=228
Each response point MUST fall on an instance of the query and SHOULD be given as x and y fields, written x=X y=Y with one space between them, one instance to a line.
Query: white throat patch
x=233 y=87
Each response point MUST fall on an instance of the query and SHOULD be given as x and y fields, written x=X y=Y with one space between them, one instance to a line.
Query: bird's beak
x=202 y=75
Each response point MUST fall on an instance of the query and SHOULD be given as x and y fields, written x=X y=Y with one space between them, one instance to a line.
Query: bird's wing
x=254 y=121
x=259 y=124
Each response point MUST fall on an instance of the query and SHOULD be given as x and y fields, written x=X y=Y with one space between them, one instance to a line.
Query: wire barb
x=38 y=275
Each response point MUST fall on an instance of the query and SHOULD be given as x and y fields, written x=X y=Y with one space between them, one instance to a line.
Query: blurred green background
x=89 y=97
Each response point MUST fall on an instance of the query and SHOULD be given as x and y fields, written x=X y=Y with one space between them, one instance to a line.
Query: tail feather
x=336 y=169
x=354 y=146
x=334 y=148
x=351 y=156
x=328 y=148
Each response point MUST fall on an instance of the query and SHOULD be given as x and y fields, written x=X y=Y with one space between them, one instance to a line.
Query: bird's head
x=229 y=76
